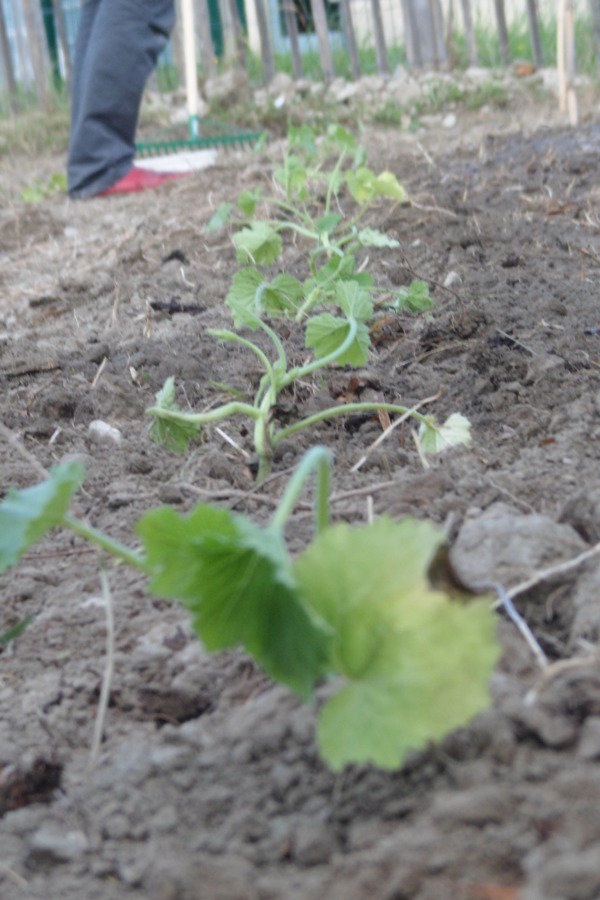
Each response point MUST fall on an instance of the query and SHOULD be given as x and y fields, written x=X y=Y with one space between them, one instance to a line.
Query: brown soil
x=209 y=782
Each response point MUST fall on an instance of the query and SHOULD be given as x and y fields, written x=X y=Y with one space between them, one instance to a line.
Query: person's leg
x=84 y=29
x=125 y=41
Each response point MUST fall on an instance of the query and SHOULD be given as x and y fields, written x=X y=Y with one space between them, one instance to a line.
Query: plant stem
x=345 y=410
x=301 y=371
x=318 y=458
x=235 y=408
x=225 y=335
x=114 y=548
x=332 y=180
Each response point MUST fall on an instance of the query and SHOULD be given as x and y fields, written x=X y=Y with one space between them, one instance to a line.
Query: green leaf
x=435 y=438
x=304 y=137
x=241 y=298
x=370 y=237
x=282 y=296
x=292 y=176
x=415 y=298
x=341 y=138
x=365 y=186
x=354 y=300
x=259 y=244
x=327 y=223
x=15 y=631
x=174 y=435
x=387 y=185
x=250 y=295
x=336 y=269
x=26 y=515
x=326 y=333
x=237 y=581
x=247 y=202
x=415 y=664
x=220 y=217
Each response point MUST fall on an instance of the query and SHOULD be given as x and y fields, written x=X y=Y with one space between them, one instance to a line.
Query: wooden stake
x=570 y=63
x=207 y=49
x=534 y=31
x=291 y=24
x=502 y=32
x=383 y=65
x=38 y=50
x=322 y=29
x=469 y=32
x=61 y=27
x=411 y=36
x=7 y=61
x=266 y=49
x=348 y=27
x=560 y=55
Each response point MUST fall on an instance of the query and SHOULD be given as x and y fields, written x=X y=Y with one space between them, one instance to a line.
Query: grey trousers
x=118 y=44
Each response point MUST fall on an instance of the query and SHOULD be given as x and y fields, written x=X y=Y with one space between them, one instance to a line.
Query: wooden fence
x=36 y=36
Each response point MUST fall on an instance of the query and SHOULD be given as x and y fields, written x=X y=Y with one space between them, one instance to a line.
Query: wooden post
x=61 y=27
x=38 y=51
x=570 y=62
x=502 y=32
x=383 y=64
x=322 y=29
x=437 y=24
x=207 y=50
x=348 y=26
x=409 y=35
x=291 y=25
x=595 y=15
x=469 y=32
x=238 y=34
x=177 y=44
x=266 y=49
x=7 y=61
x=534 y=31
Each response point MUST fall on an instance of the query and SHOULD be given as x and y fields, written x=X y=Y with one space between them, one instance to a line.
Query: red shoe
x=138 y=179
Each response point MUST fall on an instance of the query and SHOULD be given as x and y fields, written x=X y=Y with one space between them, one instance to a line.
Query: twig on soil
x=376 y=443
x=422 y=456
x=14 y=441
x=438 y=284
x=551 y=571
x=505 y=601
x=99 y=373
x=232 y=443
x=435 y=209
x=14 y=876
x=115 y=310
x=553 y=670
x=108 y=671
x=516 y=341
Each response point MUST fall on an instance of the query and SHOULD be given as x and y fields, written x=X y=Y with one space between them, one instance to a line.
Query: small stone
x=313 y=843
x=452 y=278
x=49 y=846
x=503 y=546
x=589 y=741
x=449 y=121
x=104 y=434
x=477 y=806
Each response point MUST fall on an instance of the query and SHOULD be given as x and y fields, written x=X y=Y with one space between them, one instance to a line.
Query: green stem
x=225 y=335
x=345 y=410
x=278 y=225
x=302 y=371
x=115 y=548
x=235 y=408
x=312 y=297
x=318 y=458
x=332 y=180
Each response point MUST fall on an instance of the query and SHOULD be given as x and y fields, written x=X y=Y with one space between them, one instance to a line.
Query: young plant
x=333 y=339
x=405 y=663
